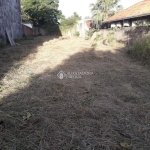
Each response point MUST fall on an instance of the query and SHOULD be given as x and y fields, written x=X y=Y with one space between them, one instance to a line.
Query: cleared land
x=108 y=110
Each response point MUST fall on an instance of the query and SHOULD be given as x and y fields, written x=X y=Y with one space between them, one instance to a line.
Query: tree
x=75 y=16
x=70 y=22
x=119 y=8
x=41 y=12
x=103 y=9
x=97 y=14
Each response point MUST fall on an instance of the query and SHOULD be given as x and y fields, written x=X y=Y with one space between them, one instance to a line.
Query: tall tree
x=97 y=14
x=103 y=9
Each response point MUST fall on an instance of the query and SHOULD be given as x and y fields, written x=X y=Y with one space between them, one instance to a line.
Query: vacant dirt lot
x=108 y=109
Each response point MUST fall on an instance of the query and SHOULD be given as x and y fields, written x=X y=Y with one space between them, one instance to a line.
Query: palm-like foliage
x=97 y=14
x=103 y=9
x=107 y=6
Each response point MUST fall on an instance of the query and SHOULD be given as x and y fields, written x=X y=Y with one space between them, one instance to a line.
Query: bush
x=90 y=32
x=76 y=34
x=110 y=37
x=69 y=23
x=141 y=50
x=98 y=37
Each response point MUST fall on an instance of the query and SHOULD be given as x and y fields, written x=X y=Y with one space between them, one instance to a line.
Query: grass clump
x=141 y=50
x=110 y=37
x=98 y=37
x=90 y=32
x=76 y=34
x=94 y=44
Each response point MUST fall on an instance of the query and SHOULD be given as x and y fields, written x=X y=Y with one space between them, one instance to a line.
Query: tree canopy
x=41 y=12
x=70 y=22
x=103 y=9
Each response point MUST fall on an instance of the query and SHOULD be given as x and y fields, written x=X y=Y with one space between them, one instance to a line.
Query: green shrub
x=76 y=34
x=141 y=50
x=110 y=37
x=98 y=37
x=115 y=29
x=69 y=23
x=138 y=23
x=90 y=32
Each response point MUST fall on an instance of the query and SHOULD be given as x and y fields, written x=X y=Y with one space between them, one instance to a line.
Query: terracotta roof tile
x=140 y=9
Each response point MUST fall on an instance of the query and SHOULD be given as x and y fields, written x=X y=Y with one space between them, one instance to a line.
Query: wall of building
x=45 y=32
x=27 y=31
x=83 y=26
x=133 y=22
x=40 y=31
x=10 y=19
x=127 y=35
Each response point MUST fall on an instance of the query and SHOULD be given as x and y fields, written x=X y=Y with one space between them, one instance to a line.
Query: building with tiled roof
x=139 y=12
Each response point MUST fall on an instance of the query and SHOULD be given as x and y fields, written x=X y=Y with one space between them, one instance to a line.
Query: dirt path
x=106 y=106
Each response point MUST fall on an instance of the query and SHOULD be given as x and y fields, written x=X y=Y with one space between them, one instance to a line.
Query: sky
x=82 y=6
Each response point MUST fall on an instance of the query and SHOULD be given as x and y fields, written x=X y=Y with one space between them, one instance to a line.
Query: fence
x=127 y=35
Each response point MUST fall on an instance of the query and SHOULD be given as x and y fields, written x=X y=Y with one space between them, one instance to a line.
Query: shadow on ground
x=98 y=111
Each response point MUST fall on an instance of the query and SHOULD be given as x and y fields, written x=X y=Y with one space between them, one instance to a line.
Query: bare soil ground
x=107 y=110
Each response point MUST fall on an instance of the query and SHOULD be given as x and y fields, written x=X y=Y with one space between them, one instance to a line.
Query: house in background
x=10 y=21
x=136 y=14
x=27 y=29
x=83 y=26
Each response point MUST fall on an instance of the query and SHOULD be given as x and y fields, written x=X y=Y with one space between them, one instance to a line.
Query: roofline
x=27 y=25
x=127 y=18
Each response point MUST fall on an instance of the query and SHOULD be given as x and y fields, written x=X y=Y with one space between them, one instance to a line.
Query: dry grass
x=109 y=110
x=141 y=50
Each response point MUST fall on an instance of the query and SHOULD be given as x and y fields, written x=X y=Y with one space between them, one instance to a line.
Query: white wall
x=82 y=28
x=119 y=24
x=113 y=25
x=126 y=24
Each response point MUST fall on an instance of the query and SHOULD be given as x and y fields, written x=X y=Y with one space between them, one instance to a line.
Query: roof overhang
x=28 y=25
x=121 y=19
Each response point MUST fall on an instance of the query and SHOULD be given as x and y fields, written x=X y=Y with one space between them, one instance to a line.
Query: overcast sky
x=82 y=6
